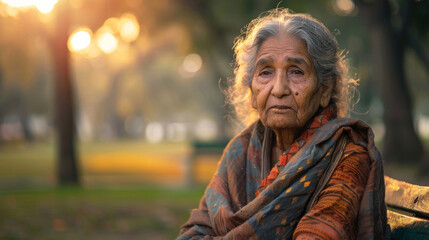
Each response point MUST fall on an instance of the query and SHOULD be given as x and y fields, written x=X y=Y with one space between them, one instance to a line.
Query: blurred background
x=113 y=114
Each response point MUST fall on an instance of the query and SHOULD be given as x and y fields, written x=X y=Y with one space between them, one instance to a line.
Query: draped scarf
x=273 y=209
x=323 y=117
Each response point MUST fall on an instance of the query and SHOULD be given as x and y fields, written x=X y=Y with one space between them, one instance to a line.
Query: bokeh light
x=106 y=40
x=129 y=27
x=112 y=23
x=11 y=11
x=154 y=132
x=343 y=7
x=192 y=63
x=19 y=3
x=80 y=39
x=206 y=130
x=44 y=6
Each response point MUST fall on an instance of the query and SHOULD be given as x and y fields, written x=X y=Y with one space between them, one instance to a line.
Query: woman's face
x=284 y=86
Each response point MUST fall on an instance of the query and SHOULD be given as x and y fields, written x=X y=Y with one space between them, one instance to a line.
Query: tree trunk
x=67 y=171
x=401 y=143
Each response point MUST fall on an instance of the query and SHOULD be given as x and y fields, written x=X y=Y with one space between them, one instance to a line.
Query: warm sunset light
x=106 y=41
x=128 y=27
x=19 y=3
x=79 y=39
x=112 y=23
x=44 y=6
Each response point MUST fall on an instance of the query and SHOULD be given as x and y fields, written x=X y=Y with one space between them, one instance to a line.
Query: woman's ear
x=326 y=97
x=327 y=90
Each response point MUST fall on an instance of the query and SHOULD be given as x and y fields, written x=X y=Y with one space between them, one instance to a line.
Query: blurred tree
x=18 y=65
x=389 y=25
x=64 y=104
x=22 y=98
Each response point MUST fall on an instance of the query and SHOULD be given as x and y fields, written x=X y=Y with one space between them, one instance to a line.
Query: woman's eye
x=264 y=73
x=296 y=72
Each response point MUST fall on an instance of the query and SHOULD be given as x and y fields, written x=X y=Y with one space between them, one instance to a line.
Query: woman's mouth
x=280 y=108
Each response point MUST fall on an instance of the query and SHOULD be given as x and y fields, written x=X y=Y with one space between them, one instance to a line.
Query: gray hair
x=322 y=47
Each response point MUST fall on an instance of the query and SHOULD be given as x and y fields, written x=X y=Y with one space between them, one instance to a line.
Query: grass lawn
x=130 y=190
x=103 y=164
x=151 y=213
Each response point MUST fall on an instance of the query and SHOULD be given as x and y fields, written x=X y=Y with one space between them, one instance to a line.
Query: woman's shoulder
x=360 y=134
x=356 y=124
x=356 y=156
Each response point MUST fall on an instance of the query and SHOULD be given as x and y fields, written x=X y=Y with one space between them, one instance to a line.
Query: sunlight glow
x=76 y=3
x=11 y=11
x=112 y=23
x=44 y=6
x=80 y=39
x=129 y=27
x=106 y=41
x=343 y=7
x=192 y=63
x=19 y=3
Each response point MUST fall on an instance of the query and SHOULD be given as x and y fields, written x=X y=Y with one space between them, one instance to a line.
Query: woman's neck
x=283 y=139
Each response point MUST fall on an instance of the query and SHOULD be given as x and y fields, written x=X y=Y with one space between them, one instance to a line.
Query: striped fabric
x=339 y=201
x=232 y=209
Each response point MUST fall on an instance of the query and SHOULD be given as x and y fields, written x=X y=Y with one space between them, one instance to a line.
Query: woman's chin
x=277 y=125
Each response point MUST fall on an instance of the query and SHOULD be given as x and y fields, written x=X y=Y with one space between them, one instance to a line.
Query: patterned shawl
x=237 y=205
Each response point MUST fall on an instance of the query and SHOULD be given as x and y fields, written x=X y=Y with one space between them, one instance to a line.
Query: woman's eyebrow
x=296 y=60
x=263 y=61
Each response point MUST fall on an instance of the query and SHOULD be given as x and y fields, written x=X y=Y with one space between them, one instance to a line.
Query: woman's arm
x=198 y=226
x=334 y=215
x=204 y=222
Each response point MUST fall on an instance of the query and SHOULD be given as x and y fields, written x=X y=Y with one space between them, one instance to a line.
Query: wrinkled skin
x=285 y=90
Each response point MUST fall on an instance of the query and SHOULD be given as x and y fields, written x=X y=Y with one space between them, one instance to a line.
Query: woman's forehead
x=285 y=48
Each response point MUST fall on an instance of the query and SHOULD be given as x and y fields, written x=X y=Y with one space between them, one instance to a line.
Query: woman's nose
x=280 y=85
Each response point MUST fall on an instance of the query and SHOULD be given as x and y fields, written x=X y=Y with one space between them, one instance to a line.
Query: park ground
x=129 y=190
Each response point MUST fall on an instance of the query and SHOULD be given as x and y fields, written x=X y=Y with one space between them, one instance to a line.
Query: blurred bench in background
x=201 y=149
x=408 y=209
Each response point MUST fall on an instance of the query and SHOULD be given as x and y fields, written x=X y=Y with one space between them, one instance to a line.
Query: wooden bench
x=407 y=209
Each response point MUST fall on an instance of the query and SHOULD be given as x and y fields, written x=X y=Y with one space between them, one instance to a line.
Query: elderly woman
x=300 y=170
